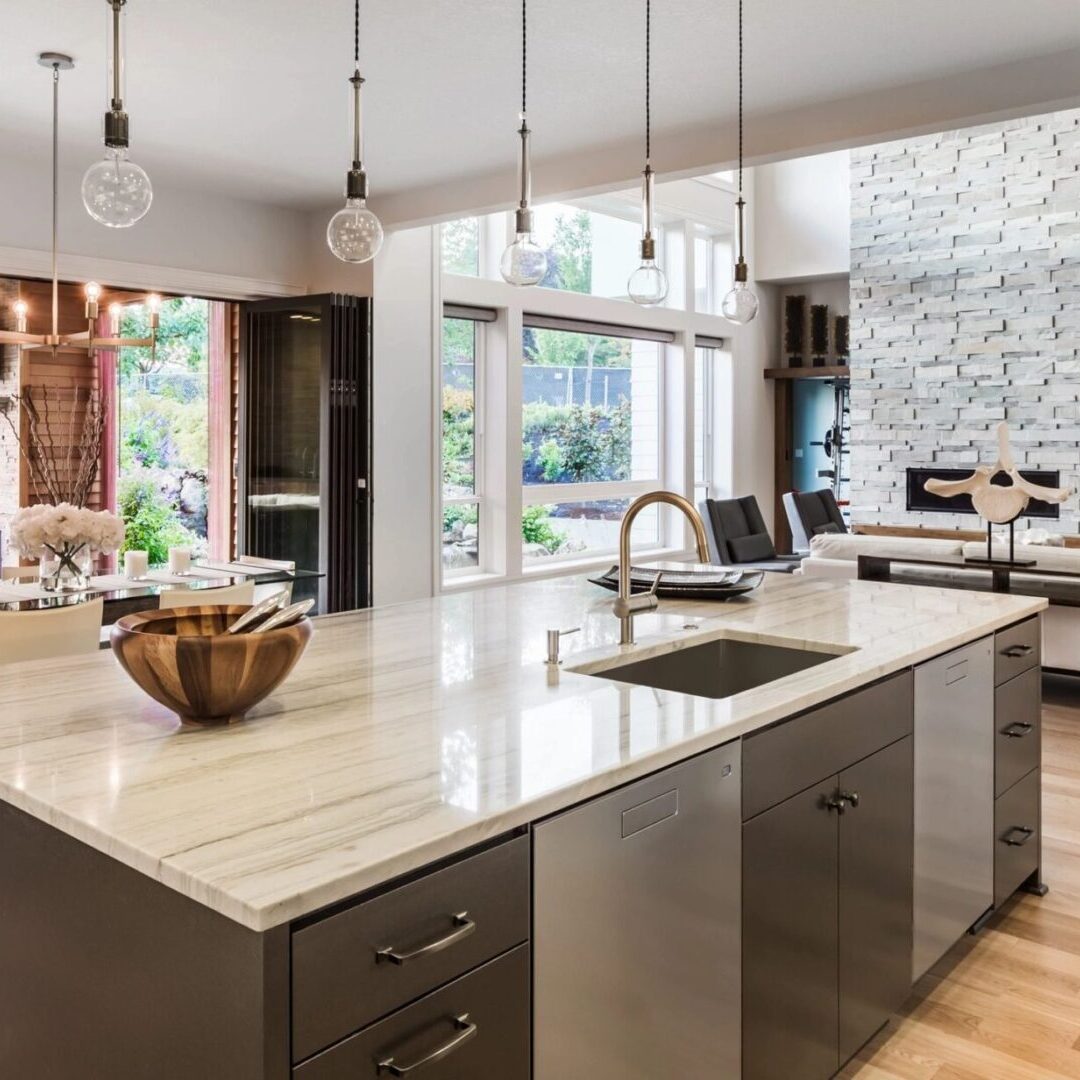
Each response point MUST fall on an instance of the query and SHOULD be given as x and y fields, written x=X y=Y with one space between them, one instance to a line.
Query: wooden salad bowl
x=183 y=659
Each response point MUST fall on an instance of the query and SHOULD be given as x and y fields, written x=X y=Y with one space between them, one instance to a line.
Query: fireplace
x=919 y=499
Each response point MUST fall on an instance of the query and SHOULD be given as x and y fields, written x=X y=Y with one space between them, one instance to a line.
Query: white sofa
x=836 y=556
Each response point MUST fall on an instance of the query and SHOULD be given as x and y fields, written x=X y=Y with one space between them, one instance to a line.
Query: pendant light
x=87 y=339
x=355 y=234
x=115 y=191
x=740 y=305
x=524 y=262
x=648 y=283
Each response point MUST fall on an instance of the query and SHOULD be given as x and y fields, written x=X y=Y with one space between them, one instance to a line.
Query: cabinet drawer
x=1017 y=742
x=799 y=752
x=351 y=968
x=1016 y=836
x=1017 y=648
x=474 y=1029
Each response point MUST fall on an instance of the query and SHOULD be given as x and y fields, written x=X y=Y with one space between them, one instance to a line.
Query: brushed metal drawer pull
x=1014 y=652
x=463 y=927
x=1018 y=730
x=465 y=1031
x=1027 y=834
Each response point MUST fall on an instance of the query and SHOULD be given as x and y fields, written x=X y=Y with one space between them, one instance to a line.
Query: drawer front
x=1017 y=739
x=1017 y=648
x=800 y=752
x=354 y=967
x=1016 y=836
x=477 y=1028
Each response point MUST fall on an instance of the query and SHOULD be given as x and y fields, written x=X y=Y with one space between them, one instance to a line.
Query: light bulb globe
x=354 y=234
x=648 y=284
x=740 y=305
x=524 y=262
x=115 y=191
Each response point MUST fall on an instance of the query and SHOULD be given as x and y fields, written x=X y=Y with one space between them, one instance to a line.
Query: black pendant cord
x=648 y=81
x=356 y=36
x=524 y=56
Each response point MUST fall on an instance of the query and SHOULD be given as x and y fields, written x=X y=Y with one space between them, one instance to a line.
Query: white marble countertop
x=410 y=732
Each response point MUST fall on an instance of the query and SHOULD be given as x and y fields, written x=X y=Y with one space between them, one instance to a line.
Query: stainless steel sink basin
x=718 y=668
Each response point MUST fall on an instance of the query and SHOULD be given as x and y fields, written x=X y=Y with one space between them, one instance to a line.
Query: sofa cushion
x=1049 y=558
x=751 y=548
x=852 y=545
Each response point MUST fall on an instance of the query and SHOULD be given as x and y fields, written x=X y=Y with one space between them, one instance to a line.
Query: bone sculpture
x=998 y=503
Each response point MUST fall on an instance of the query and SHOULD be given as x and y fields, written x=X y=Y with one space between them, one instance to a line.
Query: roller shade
x=582 y=326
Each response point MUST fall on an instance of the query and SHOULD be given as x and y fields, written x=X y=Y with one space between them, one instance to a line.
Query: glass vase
x=66 y=569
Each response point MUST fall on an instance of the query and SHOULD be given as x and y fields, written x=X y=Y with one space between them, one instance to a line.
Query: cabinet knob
x=837 y=804
x=849 y=796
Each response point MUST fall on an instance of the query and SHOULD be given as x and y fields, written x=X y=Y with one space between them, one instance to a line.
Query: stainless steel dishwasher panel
x=954 y=798
x=636 y=933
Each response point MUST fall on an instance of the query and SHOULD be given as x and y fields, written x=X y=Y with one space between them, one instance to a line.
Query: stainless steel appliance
x=954 y=798
x=636 y=932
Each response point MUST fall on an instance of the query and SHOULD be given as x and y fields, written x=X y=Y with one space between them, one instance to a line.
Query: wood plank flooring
x=1005 y=1005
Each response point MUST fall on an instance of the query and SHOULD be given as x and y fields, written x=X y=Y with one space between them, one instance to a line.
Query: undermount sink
x=719 y=668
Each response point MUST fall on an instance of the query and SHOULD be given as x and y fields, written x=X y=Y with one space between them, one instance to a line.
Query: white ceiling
x=250 y=97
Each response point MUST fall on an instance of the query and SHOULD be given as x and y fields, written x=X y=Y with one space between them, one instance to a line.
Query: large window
x=590 y=427
x=601 y=384
x=163 y=419
x=460 y=440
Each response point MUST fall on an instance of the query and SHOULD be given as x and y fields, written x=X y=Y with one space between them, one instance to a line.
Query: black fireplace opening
x=921 y=500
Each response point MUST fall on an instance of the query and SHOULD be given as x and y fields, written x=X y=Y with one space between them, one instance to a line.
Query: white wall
x=403 y=468
x=198 y=234
x=802 y=218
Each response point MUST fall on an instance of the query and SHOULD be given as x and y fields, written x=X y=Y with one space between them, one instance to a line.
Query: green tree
x=461 y=246
x=570 y=256
x=182 y=342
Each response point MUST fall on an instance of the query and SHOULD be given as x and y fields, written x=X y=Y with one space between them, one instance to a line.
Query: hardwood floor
x=1005 y=1005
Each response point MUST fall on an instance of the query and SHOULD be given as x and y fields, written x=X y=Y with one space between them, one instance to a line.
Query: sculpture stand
x=1012 y=560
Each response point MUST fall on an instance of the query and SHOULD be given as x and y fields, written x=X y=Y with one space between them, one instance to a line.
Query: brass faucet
x=627 y=606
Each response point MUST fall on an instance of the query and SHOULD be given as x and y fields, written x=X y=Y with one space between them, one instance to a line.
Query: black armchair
x=810 y=514
x=738 y=537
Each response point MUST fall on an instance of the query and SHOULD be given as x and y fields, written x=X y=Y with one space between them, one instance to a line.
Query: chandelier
x=88 y=338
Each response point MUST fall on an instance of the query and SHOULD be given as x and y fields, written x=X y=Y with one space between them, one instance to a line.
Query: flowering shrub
x=40 y=530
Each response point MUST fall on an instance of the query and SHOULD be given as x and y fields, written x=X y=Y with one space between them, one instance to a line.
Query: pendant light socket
x=523 y=220
x=356 y=185
x=117 y=129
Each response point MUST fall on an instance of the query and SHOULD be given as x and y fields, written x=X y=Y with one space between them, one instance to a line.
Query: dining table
x=123 y=595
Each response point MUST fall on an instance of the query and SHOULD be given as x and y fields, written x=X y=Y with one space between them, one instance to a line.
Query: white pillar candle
x=136 y=564
x=179 y=560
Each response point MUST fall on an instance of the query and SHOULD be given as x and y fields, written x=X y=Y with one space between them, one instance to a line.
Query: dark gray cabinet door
x=875 y=916
x=790 y=994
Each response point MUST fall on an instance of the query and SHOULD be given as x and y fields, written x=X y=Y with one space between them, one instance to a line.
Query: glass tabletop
x=128 y=594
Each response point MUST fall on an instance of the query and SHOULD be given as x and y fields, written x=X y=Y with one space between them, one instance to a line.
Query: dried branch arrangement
x=62 y=448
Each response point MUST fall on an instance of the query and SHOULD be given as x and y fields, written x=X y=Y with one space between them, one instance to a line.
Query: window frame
x=477 y=498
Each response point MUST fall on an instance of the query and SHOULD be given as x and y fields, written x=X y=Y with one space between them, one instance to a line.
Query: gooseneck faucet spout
x=626 y=606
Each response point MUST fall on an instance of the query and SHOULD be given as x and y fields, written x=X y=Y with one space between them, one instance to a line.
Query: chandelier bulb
x=21 y=309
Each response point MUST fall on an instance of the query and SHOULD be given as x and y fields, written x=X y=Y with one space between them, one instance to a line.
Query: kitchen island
x=172 y=895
